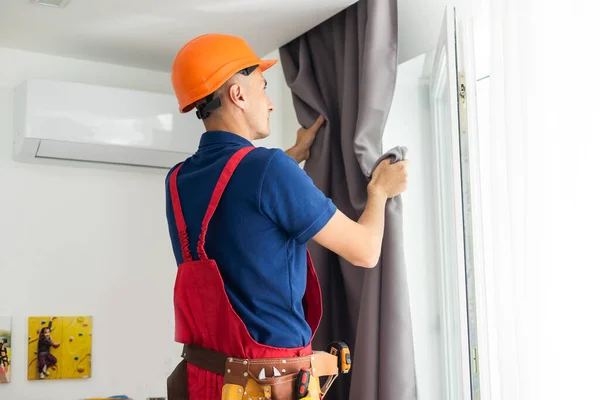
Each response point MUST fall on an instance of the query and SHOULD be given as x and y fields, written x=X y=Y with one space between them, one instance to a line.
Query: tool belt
x=242 y=377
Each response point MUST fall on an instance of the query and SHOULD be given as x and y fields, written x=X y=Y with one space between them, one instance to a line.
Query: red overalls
x=203 y=314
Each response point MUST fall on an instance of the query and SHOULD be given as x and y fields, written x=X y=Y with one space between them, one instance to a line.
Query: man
x=240 y=217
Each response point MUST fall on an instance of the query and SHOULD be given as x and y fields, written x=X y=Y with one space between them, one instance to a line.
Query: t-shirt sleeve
x=290 y=199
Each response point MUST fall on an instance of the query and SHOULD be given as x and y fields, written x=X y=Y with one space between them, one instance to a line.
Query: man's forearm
x=295 y=154
x=357 y=242
x=373 y=220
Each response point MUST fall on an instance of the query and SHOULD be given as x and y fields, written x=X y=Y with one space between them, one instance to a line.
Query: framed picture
x=5 y=345
x=60 y=348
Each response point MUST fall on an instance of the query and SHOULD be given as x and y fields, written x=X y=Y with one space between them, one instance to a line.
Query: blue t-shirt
x=258 y=234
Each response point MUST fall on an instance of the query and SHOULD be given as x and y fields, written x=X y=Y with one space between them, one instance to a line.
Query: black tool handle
x=302 y=382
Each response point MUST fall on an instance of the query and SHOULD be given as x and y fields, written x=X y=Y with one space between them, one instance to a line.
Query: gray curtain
x=345 y=69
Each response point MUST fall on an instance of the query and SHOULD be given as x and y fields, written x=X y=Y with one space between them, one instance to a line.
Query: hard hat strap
x=207 y=107
x=248 y=71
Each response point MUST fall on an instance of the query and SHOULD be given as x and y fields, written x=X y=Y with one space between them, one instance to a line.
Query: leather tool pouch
x=240 y=376
x=177 y=383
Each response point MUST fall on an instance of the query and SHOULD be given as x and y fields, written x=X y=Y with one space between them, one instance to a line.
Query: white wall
x=81 y=239
x=289 y=125
x=409 y=125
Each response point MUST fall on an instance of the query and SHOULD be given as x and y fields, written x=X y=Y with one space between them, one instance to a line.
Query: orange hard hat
x=205 y=63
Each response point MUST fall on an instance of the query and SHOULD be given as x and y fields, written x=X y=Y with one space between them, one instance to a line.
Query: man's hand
x=304 y=141
x=389 y=179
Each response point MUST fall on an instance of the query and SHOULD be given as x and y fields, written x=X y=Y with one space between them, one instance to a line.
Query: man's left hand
x=304 y=141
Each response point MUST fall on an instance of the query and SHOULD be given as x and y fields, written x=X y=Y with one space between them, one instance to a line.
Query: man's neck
x=232 y=126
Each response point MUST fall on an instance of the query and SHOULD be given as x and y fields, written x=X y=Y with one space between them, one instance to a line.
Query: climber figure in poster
x=59 y=348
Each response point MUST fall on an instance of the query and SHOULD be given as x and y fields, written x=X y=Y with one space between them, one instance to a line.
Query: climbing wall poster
x=5 y=349
x=59 y=348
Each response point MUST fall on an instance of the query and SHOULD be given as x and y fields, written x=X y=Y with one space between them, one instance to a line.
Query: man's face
x=259 y=105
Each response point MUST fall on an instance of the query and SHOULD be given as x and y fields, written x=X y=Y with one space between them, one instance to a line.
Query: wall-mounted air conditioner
x=74 y=121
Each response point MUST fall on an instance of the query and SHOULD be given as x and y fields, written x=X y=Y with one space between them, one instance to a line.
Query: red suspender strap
x=184 y=240
x=228 y=171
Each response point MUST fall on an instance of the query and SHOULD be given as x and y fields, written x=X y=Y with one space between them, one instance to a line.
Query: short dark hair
x=210 y=103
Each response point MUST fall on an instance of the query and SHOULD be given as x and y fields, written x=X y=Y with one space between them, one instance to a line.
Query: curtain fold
x=345 y=69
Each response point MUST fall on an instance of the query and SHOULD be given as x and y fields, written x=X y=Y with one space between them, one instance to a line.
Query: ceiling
x=148 y=33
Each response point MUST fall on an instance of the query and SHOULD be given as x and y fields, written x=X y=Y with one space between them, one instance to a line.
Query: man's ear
x=237 y=95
